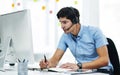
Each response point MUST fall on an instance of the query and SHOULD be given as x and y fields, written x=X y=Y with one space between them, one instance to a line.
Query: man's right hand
x=43 y=64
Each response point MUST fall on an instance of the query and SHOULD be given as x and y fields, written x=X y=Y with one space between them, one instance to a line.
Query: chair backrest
x=113 y=55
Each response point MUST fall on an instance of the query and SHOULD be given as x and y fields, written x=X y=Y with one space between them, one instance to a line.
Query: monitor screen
x=15 y=27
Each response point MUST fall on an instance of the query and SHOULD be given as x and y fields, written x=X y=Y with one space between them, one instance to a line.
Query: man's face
x=66 y=24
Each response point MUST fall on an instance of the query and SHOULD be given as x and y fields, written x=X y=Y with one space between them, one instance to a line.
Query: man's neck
x=76 y=29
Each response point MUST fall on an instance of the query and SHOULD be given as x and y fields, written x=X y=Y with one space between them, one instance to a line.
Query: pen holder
x=23 y=68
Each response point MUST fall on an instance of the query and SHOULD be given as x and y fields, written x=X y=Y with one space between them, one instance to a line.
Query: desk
x=30 y=72
x=14 y=72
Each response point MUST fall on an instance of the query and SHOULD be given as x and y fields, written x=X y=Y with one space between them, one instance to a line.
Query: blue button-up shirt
x=85 y=44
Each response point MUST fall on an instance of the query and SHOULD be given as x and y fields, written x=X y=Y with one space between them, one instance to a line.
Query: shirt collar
x=79 y=33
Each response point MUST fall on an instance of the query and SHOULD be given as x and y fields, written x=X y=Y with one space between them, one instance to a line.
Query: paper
x=34 y=66
x=63 y=70
x=59 y=70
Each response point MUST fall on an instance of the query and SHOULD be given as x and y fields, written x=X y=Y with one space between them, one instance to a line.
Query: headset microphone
x=69 y=27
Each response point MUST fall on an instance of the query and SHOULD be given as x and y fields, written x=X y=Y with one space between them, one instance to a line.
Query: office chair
x=113 y=55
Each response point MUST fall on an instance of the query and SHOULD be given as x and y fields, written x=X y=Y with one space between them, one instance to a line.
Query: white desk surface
x=30 y=72
x=44 y=73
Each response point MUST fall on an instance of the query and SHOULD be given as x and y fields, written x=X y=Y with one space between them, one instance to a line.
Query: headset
x=75 y=18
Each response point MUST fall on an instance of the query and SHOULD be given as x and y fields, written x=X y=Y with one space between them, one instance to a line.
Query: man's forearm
x=100 y=62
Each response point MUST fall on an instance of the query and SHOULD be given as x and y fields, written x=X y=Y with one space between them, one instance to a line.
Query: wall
x=110 y=20
x=47 y=30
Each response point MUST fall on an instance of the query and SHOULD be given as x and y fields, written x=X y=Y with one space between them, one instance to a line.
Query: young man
x=87 y=44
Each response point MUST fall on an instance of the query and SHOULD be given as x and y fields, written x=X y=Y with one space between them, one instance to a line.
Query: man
x=87 y=44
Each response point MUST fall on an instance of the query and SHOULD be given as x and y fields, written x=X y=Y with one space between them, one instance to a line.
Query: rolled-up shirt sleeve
x=99 y=38
x=62 y=44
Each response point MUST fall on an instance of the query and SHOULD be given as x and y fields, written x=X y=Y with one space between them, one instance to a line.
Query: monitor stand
x=11 y=55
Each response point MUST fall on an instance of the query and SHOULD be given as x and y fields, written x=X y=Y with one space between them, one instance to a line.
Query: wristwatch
x=79 y=65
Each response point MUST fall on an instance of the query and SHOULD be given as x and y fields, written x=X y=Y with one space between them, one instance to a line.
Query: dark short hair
x=70 y=13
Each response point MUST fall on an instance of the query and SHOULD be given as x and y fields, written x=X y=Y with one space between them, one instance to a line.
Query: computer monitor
x=16 y=36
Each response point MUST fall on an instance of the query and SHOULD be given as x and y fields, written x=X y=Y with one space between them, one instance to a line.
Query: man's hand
x=71 y=66
x=43 y=64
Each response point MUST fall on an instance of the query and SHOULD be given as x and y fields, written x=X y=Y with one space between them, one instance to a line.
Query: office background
x=46 y=28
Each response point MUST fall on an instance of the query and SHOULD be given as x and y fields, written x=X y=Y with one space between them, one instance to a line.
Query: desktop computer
x=16 y=37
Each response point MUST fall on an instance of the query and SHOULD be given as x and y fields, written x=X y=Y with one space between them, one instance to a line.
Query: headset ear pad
x=75 y=20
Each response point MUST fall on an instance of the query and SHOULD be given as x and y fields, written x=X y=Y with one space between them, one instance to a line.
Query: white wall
x=90 y=12
x=45 y=25
x=110 y=20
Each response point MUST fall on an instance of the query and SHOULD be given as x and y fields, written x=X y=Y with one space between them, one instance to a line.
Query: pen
x=45 y=58
x=19 y=60
x=23 y=60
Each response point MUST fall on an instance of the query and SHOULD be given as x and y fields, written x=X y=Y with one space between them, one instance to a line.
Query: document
x=63 y=70
x=59 y=69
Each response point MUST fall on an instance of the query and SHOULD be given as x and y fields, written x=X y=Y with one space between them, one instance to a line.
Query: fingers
x=71 y=66
x=43 y=64
x=66 y=65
